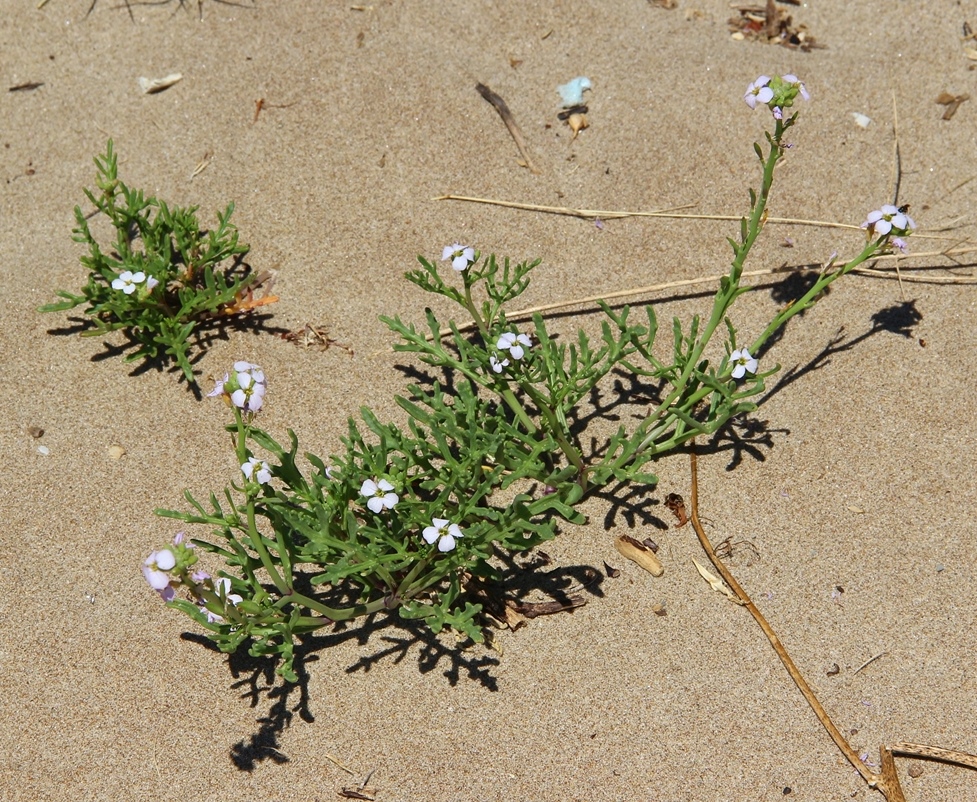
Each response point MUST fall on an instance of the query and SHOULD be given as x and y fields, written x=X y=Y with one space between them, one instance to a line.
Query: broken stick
x=500 y=106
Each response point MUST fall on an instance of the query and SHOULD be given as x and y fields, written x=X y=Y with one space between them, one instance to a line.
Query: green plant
x=161 y=279
x=494 y=455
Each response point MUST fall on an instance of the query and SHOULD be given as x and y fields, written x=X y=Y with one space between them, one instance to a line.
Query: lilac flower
x=758 y=92
x=443 y=531
x=798 y=85
x=742 y=363
x=900 y=243
x=461 y=256
x=127 y=281
x=218 y=387
x=888 y=219
x=777 y=93
x=249 y=393
x=257 y=469
x=516 y=344
x=155 y=570
x=380 y=495
x=151 y=283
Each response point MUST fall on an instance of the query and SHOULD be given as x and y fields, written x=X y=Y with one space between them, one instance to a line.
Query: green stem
x=242 y=456
x=810 y=297
x=729 y=290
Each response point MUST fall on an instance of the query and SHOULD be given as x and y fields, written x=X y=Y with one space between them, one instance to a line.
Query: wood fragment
x=368 y=794
x=30 y=86
x=869 y=662
x=536 y=609
x=510 y=123
x=640 y=554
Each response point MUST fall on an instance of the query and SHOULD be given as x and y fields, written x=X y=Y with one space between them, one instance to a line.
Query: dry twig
x=886 y=782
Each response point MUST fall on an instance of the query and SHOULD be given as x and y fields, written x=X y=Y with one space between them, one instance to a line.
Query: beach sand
x=864 y=480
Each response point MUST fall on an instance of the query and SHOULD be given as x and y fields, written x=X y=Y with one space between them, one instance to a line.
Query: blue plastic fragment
x=571 y=93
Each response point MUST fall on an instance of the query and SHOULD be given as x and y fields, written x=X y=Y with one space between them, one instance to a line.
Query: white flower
x=127 y=281
x=461 y=256
x=251 y=387
x=443 y=531
x=498 y=366
x=151 y=282
x=380 y=494
x=223 y=588
x=758 y=92
x=515 y=344
x=743 y=363
x=263 y=473
x=888 y=218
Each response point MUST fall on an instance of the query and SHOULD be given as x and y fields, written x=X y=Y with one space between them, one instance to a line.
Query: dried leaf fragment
x=640 y=554
x=675 y=503
x=716 y=583
x=952 y=103
x=202 y=165
x=153 y=85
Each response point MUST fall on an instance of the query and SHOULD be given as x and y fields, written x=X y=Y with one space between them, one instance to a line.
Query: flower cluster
x=890 y=220
x=777 y=93
x=244 y=388
x=381 y=495
x=461 y=256
x=128 y=281
x=514 y=344
x=167 y=569
x=162 y=568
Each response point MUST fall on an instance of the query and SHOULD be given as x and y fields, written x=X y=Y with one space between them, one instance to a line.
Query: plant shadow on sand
x=255 y=676
x=218 y=329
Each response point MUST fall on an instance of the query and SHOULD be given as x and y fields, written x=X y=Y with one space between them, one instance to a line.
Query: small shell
x=44 y=451
x=861 y=120
x=577 y=123
x=153 y=85
x=116 y=452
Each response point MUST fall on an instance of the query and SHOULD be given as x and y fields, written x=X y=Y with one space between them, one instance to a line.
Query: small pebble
x=44 y=451
x=940 y=568
x=861 y=120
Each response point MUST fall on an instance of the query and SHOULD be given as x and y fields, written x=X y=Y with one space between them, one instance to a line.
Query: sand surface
x=866 y=480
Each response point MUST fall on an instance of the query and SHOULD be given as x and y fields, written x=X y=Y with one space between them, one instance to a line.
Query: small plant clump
x=161 y=279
